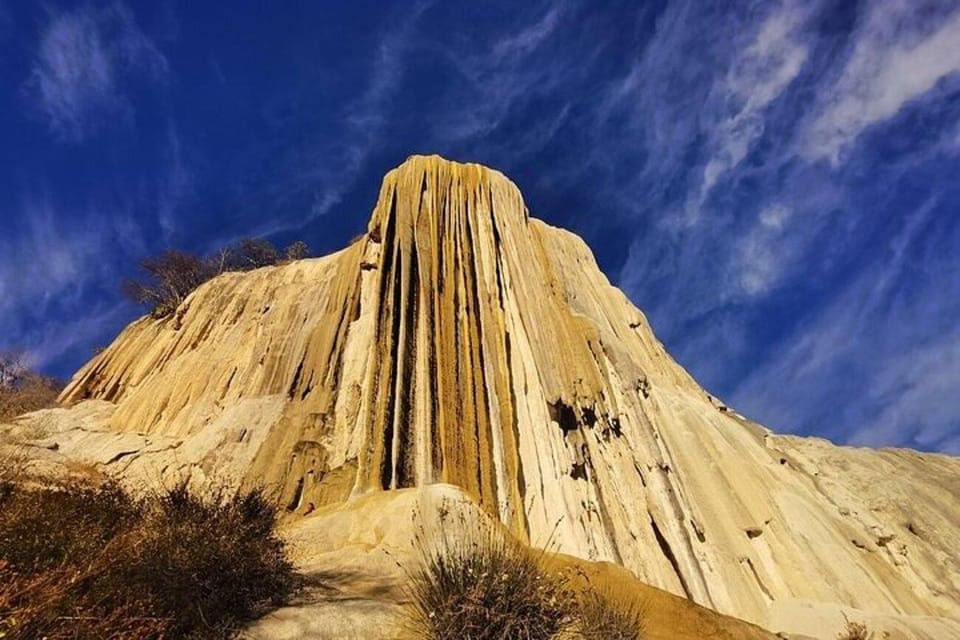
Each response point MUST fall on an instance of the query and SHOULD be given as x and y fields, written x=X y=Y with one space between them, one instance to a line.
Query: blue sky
x=776 y=184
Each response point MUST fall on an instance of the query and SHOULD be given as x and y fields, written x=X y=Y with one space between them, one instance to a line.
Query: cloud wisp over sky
x=773 y=183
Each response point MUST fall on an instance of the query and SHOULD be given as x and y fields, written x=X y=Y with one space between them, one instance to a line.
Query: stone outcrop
x=358 y=554
x=461 y=341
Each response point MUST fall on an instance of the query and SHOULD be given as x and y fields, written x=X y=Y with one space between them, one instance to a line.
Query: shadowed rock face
x=462 y=341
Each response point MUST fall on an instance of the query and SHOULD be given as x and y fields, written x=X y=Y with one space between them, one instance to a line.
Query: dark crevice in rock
x=297 y=496
x=336 y=347
x=615 y=427
x=668 y=554
x=578 y=471
x=498 y=253
x=292 y=391
x=515 y=426
x=589 y=416
x=390 y=317
x=698 y=530
x=120 y=456
x=564 y=415
x=643 y=387
x=433 y=381
x=407 y=379
x=643 y=479
x=307 y=388
x=756 y=576
x=233 y=374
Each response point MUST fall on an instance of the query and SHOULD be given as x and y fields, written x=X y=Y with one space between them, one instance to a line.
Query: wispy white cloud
x=44 y=261
x=755 y=79
x=759 y=259
x=93 y=328
x=500 y=76
x=723 y=241
x=879 y=364
x=80 y=64
x=896 y=57
x=528 y=38
x=330 y=168
x=52 y=261
x=175 y=184
x=710 y=83
x=916 y=392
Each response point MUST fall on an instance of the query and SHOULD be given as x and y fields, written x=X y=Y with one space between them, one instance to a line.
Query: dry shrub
x=42 y=529
x=31 y=393
x=171 y=276
x=604 y=616
x=486 y=586
x=96 y=563
x=473 y=581
x=855 y=631
x=220 y=560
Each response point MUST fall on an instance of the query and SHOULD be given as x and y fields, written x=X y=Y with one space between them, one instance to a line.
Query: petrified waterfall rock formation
x=462 y=341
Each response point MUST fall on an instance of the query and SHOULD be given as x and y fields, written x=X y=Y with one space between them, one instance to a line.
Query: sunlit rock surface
x=462 y=341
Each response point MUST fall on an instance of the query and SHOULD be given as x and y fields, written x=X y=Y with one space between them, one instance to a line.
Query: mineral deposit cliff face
x=462 y=341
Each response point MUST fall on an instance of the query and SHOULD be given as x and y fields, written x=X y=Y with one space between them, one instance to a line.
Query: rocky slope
x=462 y=341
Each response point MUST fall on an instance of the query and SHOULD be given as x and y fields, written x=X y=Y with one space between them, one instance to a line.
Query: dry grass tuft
x=485 y=587
x=95 y=563
x=478 y=583
x=604 y=616
x=32 y=393
x=855 y=631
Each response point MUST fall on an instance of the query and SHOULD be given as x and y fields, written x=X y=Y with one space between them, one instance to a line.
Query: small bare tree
x=296 y=251
x=171 y=277
x=12 y=367
x=21 y=389
x=254 y=253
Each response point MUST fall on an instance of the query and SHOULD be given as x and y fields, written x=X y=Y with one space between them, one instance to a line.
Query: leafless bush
x=85 y=562
x=23 y=390
x=173 y=275
x=296 y=251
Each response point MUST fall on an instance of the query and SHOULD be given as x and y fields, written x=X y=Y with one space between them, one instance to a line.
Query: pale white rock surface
x=462 y=341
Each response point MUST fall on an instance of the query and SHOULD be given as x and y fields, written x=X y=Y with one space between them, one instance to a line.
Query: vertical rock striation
x=462 y=341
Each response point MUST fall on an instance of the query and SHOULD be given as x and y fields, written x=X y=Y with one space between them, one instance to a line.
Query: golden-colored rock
x=461 y=341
